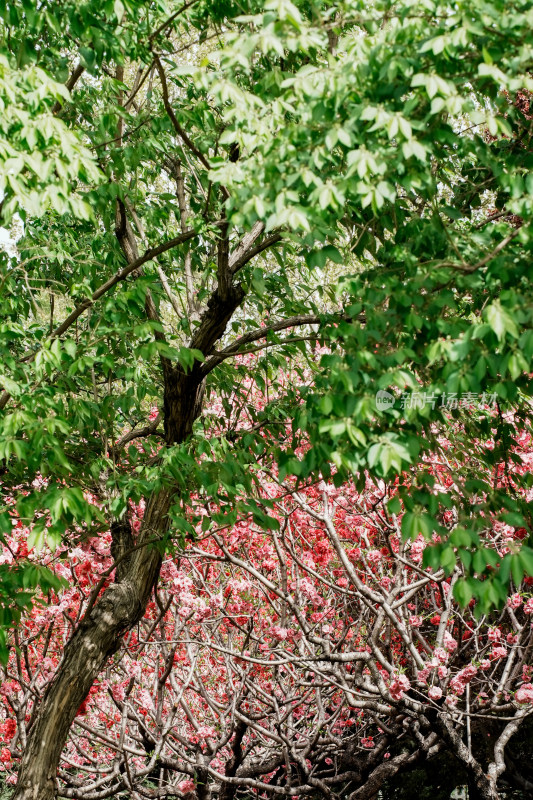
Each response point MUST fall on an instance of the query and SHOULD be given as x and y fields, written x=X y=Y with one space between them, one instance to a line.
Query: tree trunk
x=99 y=636
x=480 y=786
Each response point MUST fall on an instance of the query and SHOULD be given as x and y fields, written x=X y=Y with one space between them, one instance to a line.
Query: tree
x=292 y=173
x=319 y=658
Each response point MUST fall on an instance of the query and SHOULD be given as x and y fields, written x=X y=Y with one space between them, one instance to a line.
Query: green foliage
x=386 y=149
x=40 y=157
x=18 y=585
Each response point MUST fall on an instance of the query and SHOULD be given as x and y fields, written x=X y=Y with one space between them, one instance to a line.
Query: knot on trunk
x=122 y=543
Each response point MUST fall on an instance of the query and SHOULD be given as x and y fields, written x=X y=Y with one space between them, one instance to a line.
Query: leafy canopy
x=381 y=153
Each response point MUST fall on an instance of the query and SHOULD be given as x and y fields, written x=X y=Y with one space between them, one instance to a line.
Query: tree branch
x=246 y=242
x=137 y=433
x=174 y=167
x=150 y=254
x=170 y=111
x=485 y=260
x=170 y=19
x=239 y=260
x=76 y=74
x=253 y=336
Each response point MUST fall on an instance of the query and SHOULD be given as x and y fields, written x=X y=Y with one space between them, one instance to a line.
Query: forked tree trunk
x=99 y=635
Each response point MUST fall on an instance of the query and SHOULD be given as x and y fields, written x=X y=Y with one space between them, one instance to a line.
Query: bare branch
x=170 y=20
x=253 y=336
x=76 y=74
x=170 y=111
x=246 y=242
x=241 y=260
x=137 y=433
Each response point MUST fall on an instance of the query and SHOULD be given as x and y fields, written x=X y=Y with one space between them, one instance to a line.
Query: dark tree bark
x=229 y=790
x=99 y=635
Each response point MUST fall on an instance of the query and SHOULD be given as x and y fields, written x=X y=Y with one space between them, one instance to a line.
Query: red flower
x=83 y=708
x=10 y=729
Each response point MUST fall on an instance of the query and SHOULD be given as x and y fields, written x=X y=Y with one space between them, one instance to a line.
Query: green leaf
x=517 y=571
x=500 y=320
x=415 y=523
x=525 y=557
x=463 y=591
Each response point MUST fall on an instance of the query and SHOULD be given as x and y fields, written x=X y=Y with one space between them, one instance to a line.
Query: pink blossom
x=528 y=606
x=442 y=672
x=498 y=652
x=415 y=621
x=206 y=731
x=494 y=635
x=457 y=686
x=417 y=549
x=451 y=701
x=423 y=675
x=399 y=685
x=449 y=642
x=459 y=681
x=441 y=654
x=467 y=673
x=515 y=601
x=309 y=591
x=368 y=742
x=485 y=664
x=525 y=693
x=279 y=633
x=435 y=693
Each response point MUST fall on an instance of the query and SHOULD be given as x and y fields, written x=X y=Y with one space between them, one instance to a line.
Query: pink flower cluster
x=515 y=601
x=186 y=786
x=528 y=606
x=525 y=693
x=459 y=681
x=399 y=684
x=450 y=644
